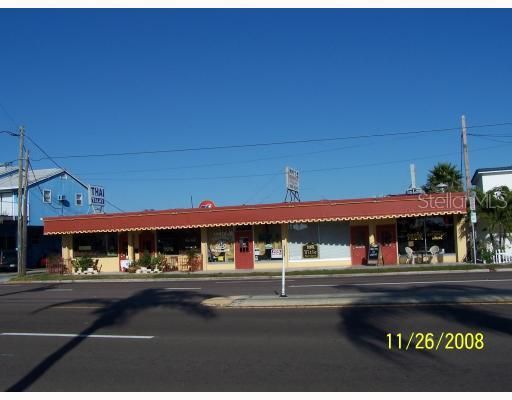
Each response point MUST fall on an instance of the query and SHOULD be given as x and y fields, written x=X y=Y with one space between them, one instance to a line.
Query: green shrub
x=150 y=262
x=82 y=263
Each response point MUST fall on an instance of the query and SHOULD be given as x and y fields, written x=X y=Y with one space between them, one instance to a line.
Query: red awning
x=314 y=211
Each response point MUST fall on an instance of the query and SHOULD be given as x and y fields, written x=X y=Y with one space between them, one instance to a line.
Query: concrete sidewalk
x=366 y=299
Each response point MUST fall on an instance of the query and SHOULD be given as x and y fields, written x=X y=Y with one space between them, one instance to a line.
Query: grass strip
x=173 y=275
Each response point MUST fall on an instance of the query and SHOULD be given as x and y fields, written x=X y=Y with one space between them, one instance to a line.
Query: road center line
x=183 y=288
x=405 y=283
x=58 y=290
x=74 y=335
x=258 y=281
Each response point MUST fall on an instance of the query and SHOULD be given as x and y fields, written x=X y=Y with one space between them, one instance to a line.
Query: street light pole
x=20 y=201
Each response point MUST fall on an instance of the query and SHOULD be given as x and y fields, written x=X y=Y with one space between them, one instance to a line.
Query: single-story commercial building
x=308 y=234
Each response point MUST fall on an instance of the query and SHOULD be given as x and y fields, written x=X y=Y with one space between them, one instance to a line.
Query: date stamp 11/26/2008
x=429 y=341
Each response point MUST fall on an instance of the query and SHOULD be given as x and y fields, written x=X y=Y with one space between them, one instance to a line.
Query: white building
x=488 y=178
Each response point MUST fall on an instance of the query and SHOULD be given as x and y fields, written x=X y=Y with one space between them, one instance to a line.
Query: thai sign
x=96 y=196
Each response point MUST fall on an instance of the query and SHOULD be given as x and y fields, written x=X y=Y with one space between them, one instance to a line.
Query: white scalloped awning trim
x=289 y=221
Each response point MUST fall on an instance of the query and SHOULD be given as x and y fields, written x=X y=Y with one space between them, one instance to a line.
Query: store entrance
x=359 y=242
x=147 y=243
x=386 y=237
x=244 y=249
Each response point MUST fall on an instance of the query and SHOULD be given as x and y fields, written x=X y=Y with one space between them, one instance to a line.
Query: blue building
x=51 y=192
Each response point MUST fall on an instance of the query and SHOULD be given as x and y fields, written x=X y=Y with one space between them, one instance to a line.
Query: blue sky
x=103 y=81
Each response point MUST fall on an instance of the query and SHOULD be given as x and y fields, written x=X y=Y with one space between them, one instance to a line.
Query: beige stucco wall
x=461 y=238
x=108 y=264
x=319 y=263
x=220 y=266
x=204 y=248
x=67 y=247
x=268 y=265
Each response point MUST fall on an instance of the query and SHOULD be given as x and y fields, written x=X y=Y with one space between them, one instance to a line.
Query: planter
x=88 y=271
x=144 y=270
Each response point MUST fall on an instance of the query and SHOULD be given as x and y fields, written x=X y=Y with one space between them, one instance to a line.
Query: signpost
x=283 y=279
x=292 y=184
x=472 y=208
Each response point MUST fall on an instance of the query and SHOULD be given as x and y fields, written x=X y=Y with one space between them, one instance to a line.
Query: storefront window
x=268 y=245
x=424 y=232
x=220 y=245
x=324 y=240
x=175 y=242
x=95 y=245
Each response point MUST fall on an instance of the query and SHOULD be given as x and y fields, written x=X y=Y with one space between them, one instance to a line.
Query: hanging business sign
x=292 y=179
x=310 y=250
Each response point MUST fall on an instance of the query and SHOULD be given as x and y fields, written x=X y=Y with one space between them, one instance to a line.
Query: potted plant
x=84 y=265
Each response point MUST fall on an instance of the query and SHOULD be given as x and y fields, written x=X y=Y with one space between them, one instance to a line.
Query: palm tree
x=444 y=173
x=494 y=210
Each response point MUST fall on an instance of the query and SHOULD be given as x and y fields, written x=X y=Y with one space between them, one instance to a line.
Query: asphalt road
x=156 y=336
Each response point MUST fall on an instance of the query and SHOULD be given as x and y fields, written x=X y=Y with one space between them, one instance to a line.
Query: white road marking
x=406 y=283
x=182 y=288
x=58 y=290
x=74 y=335
x=258 y=281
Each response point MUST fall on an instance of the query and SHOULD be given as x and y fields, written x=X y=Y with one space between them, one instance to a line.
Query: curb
x=313 y=301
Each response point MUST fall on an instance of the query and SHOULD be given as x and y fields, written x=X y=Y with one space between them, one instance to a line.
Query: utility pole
x=466 y=157
x=20 y=196
x=468 y=181
x=25 y=217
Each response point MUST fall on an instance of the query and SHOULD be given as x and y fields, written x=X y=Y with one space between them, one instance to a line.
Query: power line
x=222 y=163
x=8 y=115
x=113 y=205
x=62 y=168
x=202 y=178
x=254 y=145
x=217 y=164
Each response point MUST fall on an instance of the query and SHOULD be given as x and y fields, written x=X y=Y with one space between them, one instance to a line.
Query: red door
x=359 y=242
x=386 y=237
x=147 y=243
x=244 y=253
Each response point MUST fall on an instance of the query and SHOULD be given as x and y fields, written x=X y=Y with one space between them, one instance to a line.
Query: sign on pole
x=292 y=179
x=473 y=217
x=292 y=184
x=472 y=203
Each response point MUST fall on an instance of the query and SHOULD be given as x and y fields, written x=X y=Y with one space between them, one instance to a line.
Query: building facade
x=488 y=178
x=51 y=192
x=306 y=234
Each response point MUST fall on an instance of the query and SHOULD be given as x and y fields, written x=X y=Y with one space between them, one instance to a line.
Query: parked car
x=8 y=260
